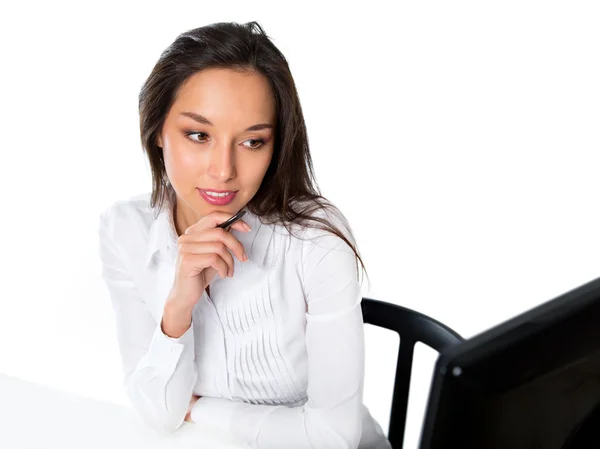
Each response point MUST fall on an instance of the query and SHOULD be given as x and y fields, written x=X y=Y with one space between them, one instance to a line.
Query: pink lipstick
x=217 y=197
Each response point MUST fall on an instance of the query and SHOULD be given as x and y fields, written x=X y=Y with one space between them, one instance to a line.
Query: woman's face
x=207 y=145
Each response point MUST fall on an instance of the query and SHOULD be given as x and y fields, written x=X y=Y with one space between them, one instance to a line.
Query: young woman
x=272 y=349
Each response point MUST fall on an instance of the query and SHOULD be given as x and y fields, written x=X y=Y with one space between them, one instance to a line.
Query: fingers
x=195 y=263
x=216 y=235
x=214 y=219
x=209 y=247
x=204 y=244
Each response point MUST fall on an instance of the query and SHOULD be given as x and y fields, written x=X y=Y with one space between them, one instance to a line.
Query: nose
x=222 y=163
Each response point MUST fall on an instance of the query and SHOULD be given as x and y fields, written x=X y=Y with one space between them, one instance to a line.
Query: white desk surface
x=34 y=416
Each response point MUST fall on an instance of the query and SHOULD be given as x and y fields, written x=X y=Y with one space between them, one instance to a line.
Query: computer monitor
x=531 y=382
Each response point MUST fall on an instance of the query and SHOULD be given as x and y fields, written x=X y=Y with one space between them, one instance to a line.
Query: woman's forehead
x=224 y=99
x=223 y=96
x=216 y=84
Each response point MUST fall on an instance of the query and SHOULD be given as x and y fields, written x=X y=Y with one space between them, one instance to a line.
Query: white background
x=460 y=139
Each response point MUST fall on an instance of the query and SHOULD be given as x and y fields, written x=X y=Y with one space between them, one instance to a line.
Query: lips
x=215 y=200
x=218 y=191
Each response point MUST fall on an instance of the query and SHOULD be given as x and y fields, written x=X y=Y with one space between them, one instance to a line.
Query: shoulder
x=330 y=271
x=124 y=216
x=315 y=238
x=322 y=247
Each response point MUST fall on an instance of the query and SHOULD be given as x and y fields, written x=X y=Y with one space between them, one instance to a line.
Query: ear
x=159 y=141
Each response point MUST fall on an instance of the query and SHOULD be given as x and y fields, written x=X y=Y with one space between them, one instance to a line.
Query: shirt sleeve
x=159 y=371
x=331 y=418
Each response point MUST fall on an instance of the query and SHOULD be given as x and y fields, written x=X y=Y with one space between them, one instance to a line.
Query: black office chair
x=412 y=327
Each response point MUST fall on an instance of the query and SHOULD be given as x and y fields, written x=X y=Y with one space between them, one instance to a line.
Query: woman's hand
x=188 y=417
x=203 y=251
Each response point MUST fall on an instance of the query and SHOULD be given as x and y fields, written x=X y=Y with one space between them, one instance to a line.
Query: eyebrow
x=203 y=120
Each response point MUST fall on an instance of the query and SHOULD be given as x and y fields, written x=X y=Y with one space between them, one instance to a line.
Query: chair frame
x=412 y=327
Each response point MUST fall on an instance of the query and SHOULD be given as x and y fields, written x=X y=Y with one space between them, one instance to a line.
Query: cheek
x=174 y=167
x=256 y=171
x=257 y=162
x=264 y=166
x=179 y=162
x=188 y=159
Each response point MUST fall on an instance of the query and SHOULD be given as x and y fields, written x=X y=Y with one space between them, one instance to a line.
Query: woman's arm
x=159 y=371
x=332 y=416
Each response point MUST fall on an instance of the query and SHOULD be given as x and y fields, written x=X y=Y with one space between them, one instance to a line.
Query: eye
x=194 y=140
x=261 y=142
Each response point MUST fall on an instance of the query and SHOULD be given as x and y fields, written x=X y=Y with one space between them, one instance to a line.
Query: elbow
x=162 y=423
x=161 y=420
x=354 y=435
x=160 y=399
x=166 y=425
x=336 y=434
x=349 y=436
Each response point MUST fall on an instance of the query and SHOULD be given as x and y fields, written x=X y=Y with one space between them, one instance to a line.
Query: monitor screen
x=531 y=382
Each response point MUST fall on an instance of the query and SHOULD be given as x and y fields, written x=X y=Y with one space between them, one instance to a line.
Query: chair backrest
x=412 y=327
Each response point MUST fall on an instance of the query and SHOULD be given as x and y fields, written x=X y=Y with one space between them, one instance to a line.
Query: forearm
x=275 y=426
x=162 y=384
x=158 y=361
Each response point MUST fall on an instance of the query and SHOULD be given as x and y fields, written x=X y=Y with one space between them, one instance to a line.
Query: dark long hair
x=289 y=193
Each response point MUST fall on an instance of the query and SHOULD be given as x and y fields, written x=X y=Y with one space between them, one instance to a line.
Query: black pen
x=232 y=220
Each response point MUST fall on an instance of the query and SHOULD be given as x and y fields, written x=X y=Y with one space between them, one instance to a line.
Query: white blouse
x=276 y=352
